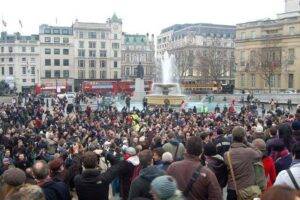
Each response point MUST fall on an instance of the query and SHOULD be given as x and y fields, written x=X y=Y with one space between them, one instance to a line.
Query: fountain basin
x=157 y=99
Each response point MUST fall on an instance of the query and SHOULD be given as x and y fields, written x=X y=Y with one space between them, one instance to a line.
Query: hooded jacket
x=140 y=187
x=217 y=165
x=172 y=146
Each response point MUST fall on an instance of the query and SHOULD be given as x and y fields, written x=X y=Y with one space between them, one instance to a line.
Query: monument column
x=139 y=86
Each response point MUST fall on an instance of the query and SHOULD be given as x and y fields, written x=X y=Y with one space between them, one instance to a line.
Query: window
x=24 y=80
x=32 y=70
x=115 y=63
x=92 y=74
x=66 y=73
x=48 y=73
x=103 y=63
x=56 y=31
x=56 y=62
x=253 y=80
x=23 y=70
x=92 y=54
x=80 y=35
x=23 y=59
x=115 y=54
x=65 y=31
x=92 y=35
x=243 y=35
x=3 y=70
x=103 y=74
x=11 y=71
x=81 y=53
x=47 y=39
x=291 y=56
x=66 y=62
x=127 y=72
x=252 y=58
x=33 y=80
x=92 y=45
x=253 y=34
x=115 y=74
x=103 y=35
x=115 y=36
x=66 y=51
x=81 y=74
x=2 y=59
x=103 y=54
x=92 y=63
x=56 y=51
x=242 y=80
x=10 y=60
x=292 y=30
x=81 y=44
x=47 y=51
x=272 y=81
x=103 y=45
x=32 y=49
x=56 y=40
x=278 y=80
x=32 y=59
x=47 y=31
x=10 y=49
x=291 y=81
x=65 y=40
x=81 y=63
x=242 y=58
x=115 y=45
x=23 y=49
x=47 y=62
x=2 y=49
x=135 y=71
x=57 y=73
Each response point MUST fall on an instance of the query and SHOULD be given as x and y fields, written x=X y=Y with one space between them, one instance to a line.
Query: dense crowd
x=55 y=150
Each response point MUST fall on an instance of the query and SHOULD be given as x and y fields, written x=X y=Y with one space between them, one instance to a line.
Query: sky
x=139 y=16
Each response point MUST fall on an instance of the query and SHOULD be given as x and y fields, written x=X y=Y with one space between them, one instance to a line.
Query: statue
x=140 y=71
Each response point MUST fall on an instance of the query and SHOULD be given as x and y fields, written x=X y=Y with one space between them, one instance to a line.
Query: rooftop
x=12 y=38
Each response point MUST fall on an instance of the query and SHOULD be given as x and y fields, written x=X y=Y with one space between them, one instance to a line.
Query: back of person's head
x=163 y=187
x=238 y=134
x=90 y=160
x=210 y=149
x=171 y=136
x=28 y=192
x=145 y=158
x=259 y=144
x=285 y=133
x=159 y=151
x=296 y=150
x=194 y=146
x=40 y=170
x=273 y=130
x=279 y=193
x=167 y=157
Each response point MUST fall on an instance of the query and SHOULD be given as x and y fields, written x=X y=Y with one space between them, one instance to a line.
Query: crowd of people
x=57 y=151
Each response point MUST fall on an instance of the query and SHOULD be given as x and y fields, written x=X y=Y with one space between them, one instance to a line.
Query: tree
x=185 y=60
x=4 y=88
x=214 y=61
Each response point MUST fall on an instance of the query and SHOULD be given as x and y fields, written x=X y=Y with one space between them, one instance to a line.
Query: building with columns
x=19 y=60
x=267 y=51
x=137 y=49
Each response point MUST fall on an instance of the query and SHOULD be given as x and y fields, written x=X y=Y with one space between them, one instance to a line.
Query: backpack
x=260 y=177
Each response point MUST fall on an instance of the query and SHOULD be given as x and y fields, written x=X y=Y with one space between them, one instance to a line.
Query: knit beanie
x=167 y=157
x=131 y=151
x=164 y=187
x=14 y=177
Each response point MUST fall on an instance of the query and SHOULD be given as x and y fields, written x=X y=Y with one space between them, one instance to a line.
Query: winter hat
x=210 y=149
x=131 y=151
x=55 y=164
x=164 y=187
x=167 y=157
x=14 y=177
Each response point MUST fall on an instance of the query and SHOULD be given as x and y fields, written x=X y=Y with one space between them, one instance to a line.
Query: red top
x=270 y=170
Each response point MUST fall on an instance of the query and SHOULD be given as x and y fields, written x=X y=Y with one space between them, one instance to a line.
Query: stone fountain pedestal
x=139 y=90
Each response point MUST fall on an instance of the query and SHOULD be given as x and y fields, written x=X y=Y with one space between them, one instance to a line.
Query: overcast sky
x=139 y=16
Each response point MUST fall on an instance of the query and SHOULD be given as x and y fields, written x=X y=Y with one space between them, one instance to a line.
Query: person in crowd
x=240 y=159
x=167 y=160
x=175 y=147
x=165 y=188
x=157 y=157
x=282 y=156
x=52 y=190
x=291 y=176
x=140 y=186
x=271 y=139
x=12 y=180
x=296 y=130
x=269 y=165
x=206 y=185
x=281 y=192
x=28 y=192
x=222 y=144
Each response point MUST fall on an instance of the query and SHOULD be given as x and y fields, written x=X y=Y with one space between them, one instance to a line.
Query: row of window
x=94 y=35
x=93 y=63
x=57 y=74
x=57 y=31
x=12 y=59
x=92 y=74
x=12 y=49
x=57 y=62
x=275 y=81
x=65 y=40
x=93 y=45
x=26 y=70
x=57 y=51
x=252 y=34
x=93 y=53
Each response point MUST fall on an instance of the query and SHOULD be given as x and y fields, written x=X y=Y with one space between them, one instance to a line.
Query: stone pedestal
x=139 y=90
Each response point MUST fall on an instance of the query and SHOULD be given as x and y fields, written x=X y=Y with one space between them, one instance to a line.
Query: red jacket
x=270 y=170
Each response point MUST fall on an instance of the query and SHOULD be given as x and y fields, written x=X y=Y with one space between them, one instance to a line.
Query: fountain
x=168 y=91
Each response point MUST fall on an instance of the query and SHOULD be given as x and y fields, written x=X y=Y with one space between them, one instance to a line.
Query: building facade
x=138 y=49
x=203 y=52
x=19 y=60
x=57 y=57
x=267 y=52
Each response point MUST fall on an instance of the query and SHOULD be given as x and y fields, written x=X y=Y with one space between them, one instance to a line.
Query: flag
x=56 y=20
x=4 y=23
x=20 y=22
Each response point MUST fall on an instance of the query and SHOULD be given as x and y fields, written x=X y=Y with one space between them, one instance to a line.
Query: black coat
x=56 y=191
x=92 y=184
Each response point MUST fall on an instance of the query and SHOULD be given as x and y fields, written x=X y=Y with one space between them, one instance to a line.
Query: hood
x=134 y=160
x=174 y=142
x=218 y=157
x=215 y=162
x=90 y=175
x=151 y=173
